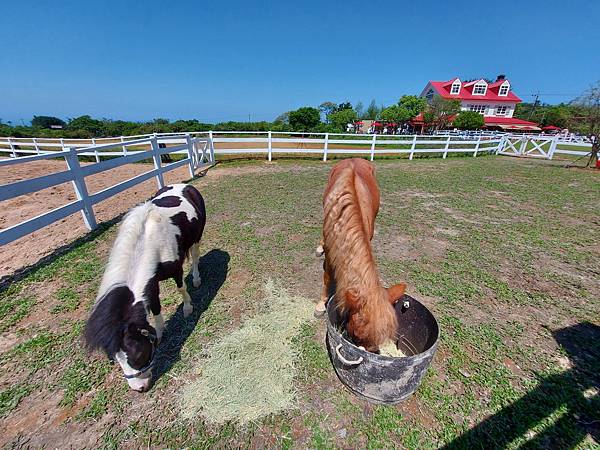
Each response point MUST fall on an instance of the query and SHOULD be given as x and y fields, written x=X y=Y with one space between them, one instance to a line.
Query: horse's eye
x=144 y=332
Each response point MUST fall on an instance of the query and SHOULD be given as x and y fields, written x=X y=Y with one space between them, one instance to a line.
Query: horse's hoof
x=196 y=282
x=319 y=310
x=187 y=310
x=320 y=251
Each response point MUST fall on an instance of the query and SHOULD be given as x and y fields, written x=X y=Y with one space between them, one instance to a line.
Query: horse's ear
x=395 y=292
x=351 y=299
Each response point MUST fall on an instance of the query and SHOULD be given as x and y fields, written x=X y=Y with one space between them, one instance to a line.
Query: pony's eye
x=144 y=332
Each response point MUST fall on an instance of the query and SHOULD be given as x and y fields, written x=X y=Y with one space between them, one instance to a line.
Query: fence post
x=270 y=146
x=12 y=148
x=156 y=156
x=95 y=150
x=477 y=145
x=412 y=147
x=37 y=147
x=62 y=144
x=446 y=147
x=212 y=146
x=325 y=146
x=373 y=147
x=80 y=189
x=523 y=146
x=190 y=150
x=124 y=147
x=552 y=147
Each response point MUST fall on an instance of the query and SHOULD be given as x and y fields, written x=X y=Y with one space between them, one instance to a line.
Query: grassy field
x=506 y=252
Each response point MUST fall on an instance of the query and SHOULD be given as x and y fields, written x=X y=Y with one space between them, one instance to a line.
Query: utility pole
x=535 y=104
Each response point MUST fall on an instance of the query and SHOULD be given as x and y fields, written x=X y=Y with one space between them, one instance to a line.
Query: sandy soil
x=31 y=248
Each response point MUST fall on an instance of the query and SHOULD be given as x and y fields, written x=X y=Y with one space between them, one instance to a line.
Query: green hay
x=249 y=373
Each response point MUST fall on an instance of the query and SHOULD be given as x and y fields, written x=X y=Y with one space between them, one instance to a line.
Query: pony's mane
x=352 y=253
x=104 y=328
x=348 y=249
x=126 y=247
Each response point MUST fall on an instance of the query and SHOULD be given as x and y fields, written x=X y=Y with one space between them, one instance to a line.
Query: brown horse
x=350 y=204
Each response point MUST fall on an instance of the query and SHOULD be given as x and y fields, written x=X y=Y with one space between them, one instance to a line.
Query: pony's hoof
x=320 y=251
x=196 y=282
x=187 y=310
x=319 y=310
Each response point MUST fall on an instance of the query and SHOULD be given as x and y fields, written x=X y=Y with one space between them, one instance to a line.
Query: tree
x=340 y=118
x=360 y=110
x=46 y=122
x=468 y=120
x=413 y=104
x=372 y=111
x=587 y=119
x=283 y=118
x=85 y=123
x=305 y=119
x=327 y=108
x=439 y=112
x=343 y=106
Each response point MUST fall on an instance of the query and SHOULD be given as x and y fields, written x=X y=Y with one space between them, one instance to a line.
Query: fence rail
x=198 y=153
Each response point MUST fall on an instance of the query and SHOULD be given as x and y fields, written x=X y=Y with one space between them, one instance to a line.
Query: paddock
x=504 y=250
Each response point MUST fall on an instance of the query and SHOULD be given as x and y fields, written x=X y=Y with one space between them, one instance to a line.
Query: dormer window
x=455 y=88
x=503 y=91
x=430 y=94
x=480 y=88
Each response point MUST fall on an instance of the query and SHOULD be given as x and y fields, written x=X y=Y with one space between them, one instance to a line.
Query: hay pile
x=249 y=373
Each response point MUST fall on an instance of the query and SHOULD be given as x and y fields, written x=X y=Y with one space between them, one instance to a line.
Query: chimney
x=501 y=77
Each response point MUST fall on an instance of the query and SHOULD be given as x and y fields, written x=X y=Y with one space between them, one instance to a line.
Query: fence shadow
x=565 y=392
x=213 y=270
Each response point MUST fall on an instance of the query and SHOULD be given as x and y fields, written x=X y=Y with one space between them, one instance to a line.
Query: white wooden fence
x=199 y=150
x=197 y=154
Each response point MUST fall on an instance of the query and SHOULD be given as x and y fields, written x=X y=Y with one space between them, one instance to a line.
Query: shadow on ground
x=561 y=392
x=213 y=271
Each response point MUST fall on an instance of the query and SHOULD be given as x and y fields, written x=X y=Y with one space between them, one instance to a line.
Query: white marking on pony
x=159 y=325
x=187 y=300
x=141 y=383
x=196 y=280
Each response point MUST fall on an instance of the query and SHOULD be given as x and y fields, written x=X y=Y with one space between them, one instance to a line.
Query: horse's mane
x=348 y=250
x=104 y=329
x=126 y=247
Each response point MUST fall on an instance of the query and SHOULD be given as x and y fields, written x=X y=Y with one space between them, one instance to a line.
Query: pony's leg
x=321 y=306
x=182 y=288
x=155 y=308
x=195 y=263
x=320 y=250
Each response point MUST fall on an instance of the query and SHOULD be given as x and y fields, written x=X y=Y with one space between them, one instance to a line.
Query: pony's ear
x=351 y=299
x=395 y=292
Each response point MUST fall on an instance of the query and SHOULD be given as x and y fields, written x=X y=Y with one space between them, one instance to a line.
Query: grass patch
x=12 y=310
x=68 y=298
x=11 y=397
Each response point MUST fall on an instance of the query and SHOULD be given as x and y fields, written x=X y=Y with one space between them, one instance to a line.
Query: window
x=477 y=108
x=429 y=94
x=455 y=88
x=479 y=89
x=500 y=110
x=504 y=90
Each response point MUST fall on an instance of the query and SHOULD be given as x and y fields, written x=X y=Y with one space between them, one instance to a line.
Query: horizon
x=247 y=63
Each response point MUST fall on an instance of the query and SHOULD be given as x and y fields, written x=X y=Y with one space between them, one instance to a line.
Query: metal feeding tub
x=384 y=379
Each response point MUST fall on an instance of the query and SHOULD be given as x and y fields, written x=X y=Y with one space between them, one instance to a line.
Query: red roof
x=507 y=121
x=466 y=91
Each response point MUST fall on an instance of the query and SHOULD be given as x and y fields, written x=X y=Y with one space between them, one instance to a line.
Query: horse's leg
x=195 y=265
x=320 y=250
x=182 y=288
x=322 y=304
x=155 y=308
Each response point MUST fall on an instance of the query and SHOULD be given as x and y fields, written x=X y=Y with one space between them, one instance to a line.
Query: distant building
x=56 y=127
x=495 y=101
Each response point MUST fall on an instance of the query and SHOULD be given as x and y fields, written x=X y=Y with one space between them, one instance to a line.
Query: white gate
x=529 y=146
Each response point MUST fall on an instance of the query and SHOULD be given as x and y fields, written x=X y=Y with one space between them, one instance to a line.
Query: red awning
x=376 y=124
x=358 y=123
x=551 y=127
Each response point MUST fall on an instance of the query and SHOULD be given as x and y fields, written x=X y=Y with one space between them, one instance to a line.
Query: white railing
x=542 y=146
x=198 y=153
x=271 y=143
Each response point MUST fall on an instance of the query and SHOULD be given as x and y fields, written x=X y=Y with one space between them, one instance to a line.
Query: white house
x=495 y=101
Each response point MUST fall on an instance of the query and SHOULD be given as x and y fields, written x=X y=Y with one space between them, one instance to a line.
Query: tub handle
x=348 y=362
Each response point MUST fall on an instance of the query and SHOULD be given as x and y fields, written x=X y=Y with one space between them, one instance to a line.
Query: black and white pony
x=152 y=244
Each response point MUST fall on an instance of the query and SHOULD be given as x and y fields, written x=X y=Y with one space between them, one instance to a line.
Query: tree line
x=329 y=116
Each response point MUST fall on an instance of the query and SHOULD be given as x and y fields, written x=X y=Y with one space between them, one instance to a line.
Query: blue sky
x=226 y=60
